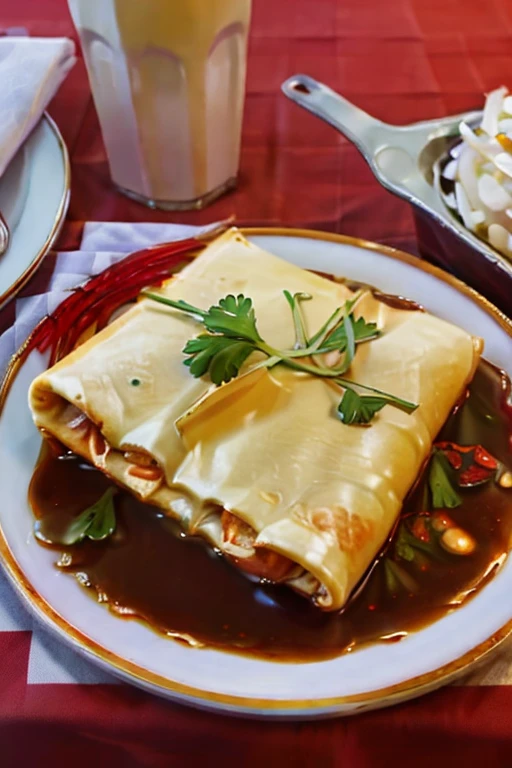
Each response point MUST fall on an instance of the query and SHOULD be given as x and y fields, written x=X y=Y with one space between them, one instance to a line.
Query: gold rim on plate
x=25 y=276
x=299 y=708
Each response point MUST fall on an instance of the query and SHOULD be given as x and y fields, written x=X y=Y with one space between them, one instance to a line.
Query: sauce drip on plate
x=180 y=586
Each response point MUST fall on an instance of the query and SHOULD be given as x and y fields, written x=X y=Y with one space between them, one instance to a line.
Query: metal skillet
x=405 y=160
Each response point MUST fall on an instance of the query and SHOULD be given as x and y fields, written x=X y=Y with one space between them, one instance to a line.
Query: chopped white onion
x=505 y=125
x=481 y=167
x=477 y=217
x=503 y=162
x=498 y=237
x=463 y=206
x=467 y=175
x=487 y=168
x=492 y=194
x=450 y=200
x=482 y=144
x=456 y=150
x=493 y=107
x=450 y=170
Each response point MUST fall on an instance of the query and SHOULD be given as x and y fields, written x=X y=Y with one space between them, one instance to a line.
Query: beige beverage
x=168 y=81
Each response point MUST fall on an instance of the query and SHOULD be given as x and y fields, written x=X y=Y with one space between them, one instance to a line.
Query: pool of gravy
x=150 y=570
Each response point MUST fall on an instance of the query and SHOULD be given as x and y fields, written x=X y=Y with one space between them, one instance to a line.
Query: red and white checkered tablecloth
x=401 y=60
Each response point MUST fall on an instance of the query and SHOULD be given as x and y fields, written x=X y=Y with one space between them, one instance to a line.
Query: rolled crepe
x=261 y=466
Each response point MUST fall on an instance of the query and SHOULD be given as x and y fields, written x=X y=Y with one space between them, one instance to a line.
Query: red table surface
x=401 y=60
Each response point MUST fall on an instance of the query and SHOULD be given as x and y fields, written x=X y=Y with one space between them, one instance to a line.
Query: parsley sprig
x=232 y=336
x=441 y=482
x=96 y=522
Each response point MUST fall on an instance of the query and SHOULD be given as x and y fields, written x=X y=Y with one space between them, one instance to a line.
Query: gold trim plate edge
x=291 y=708
x=25 y=276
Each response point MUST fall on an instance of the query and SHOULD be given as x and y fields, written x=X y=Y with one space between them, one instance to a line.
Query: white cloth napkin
x=31 y=71
x=103 y=244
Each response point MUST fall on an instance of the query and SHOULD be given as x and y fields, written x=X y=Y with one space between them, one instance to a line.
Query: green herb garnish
x=442 y=488
x=96 y=522
x=233 y=336
x=398 y=578
x=363 y=331
x=359 y=409
x=407 y=544
x=301 y=339
x=403 y=549
x=222 y=357
x=234 y=317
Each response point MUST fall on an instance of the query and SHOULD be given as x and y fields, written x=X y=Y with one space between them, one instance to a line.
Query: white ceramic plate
x=34 y=196
x=371 y=677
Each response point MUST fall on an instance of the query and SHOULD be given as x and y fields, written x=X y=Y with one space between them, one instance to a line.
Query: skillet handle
x=366 y=132
x=391 y=151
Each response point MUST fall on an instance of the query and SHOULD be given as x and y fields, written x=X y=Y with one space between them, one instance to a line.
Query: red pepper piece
x=446 y=445
x=454 y=458
x=484 y=459
x=419 y=529
x=474 y=475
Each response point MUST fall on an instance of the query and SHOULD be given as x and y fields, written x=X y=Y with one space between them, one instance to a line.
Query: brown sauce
x=392 y=300
x=397 y=302
x=150 y=570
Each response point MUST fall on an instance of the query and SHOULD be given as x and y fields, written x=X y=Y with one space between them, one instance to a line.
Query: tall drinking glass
x=168 y=81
